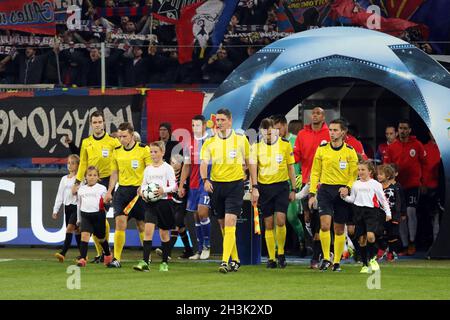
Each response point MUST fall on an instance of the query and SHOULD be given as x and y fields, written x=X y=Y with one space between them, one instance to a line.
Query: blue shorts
x=197 y=197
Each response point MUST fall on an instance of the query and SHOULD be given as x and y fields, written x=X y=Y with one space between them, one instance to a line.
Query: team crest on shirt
x=412 y=153
x=232 y=154
x=279 y=158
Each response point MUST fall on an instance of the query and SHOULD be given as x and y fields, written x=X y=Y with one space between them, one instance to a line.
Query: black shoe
x=186 y=254
x=234 y=265
x=271 y=264
x=223 y=267
x=97 y=259
x=336 y=267
x=282 y=261
x=114 y=264
x=325 y=265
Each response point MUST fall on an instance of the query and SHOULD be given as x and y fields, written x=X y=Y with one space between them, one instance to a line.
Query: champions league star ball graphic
x=289 y=70
x=149 y=192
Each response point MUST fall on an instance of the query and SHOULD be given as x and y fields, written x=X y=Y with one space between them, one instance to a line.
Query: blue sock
x=198 y=232
x=206 y=231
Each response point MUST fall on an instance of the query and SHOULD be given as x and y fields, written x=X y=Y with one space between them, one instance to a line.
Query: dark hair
x=266 y=123
x=92 y=168
x=391 y=126
x=199 y=117
x=166 y=125
x=278 y=118
x=126 y=126
x=387 y=170
x=97 y=114
x=342 y=123
x=225 y=112
x=405 y=121
x=294 y=126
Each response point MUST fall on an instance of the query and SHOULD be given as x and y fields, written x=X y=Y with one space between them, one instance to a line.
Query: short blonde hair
x=159 y=144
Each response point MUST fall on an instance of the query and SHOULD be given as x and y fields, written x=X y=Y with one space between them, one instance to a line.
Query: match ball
x=149 y=192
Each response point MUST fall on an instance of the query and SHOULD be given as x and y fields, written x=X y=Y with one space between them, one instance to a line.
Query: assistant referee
x=335 y=168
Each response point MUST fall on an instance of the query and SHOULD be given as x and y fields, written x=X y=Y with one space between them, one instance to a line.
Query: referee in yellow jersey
x=96 y=150
x=273 y=160
x=335 y=168
x=227 y=152
x=127 y=167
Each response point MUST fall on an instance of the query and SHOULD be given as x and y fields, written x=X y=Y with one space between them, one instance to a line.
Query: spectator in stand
x=93 y=67
x=391 y=135
x=409 y=155
x=430 y=191
x=161 y=69
x=218 y=67
x=135 y=69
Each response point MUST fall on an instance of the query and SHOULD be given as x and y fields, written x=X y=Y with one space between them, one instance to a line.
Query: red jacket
x=410 y=159
x=431 y=168
x=306 y=145
x=356 y=144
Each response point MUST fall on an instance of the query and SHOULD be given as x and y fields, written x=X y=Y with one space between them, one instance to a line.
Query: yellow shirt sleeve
x=316 y=170
x=114 y=166
x=83 y=161
x=289 y=156
x=246 y=148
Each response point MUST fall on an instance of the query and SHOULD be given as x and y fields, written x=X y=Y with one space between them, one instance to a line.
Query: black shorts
x=94 y=223
x=227 y=197
x=122 y=198
x=273 y=198
x=391 y=231
x=161 y=214
x=412 y=197
x=366 y=220
x=179 y=210
x=330 y=203
x=70 y=212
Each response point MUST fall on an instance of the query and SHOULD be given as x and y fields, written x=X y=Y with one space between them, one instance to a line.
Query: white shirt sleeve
x=170 y=175
x=382 y=198
x=351 y=198
x=59 y=196
x=78 y=208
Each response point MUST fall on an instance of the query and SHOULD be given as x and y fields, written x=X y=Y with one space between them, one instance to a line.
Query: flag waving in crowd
x=34 y=16
x=199 y=24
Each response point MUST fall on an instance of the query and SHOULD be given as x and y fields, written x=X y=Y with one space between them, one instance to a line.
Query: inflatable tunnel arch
x=289 y=66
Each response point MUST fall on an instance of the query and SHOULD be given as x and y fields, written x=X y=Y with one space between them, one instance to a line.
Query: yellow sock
x=325 y=241
x=281 y=238
x=98 y=247
x=229 y=241
x=119 y=242
x=339 y=246
x=270 y=243
x=107 y=230
x=141 y=237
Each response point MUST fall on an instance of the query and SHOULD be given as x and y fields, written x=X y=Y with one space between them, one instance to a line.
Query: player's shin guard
x=339 y=245
x=205 y=225
x=78 y=239
x=270 y=243
x=281 y=238
x=119 y=242
x=229 y=241
x=371 y=250
x=412 y=223
x=363 y=252
x=325 y=241
x=317 y=249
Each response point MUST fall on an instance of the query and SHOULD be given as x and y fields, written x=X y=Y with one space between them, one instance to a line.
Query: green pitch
x=35 y=274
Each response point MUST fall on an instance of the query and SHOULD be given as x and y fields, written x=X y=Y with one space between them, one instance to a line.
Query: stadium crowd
x=139 y=63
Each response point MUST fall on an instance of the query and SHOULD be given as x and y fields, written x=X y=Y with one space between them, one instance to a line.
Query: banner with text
x=37 y=126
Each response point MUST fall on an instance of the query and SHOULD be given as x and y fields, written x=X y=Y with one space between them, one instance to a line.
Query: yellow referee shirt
x=97 y=152
x=272 y=160
x=334 y=166
x=130 y=164
x=226 y=156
